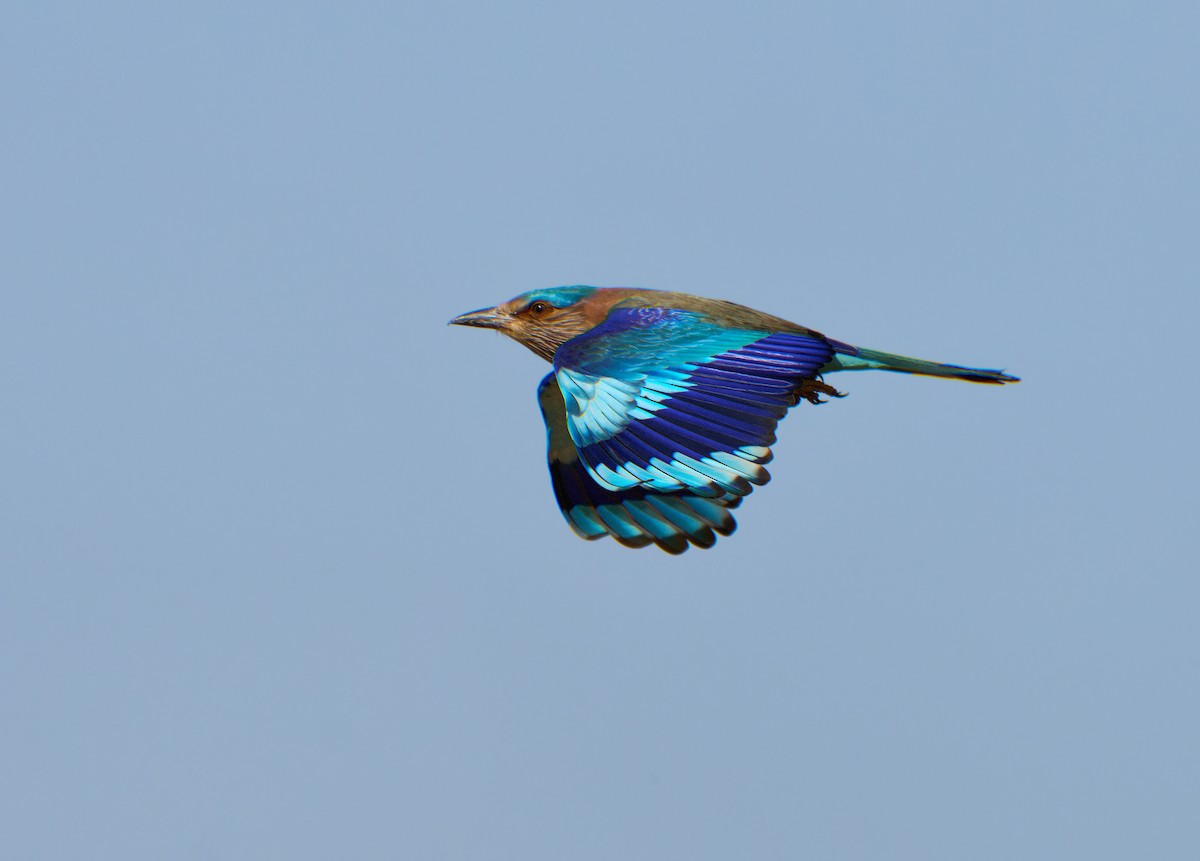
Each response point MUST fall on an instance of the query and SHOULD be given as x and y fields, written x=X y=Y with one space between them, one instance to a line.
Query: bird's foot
x=811 y=391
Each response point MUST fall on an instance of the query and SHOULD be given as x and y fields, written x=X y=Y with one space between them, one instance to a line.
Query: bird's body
x=662 y=407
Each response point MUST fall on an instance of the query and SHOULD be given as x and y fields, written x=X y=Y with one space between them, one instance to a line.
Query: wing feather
x=669 y=400
x=640 y=515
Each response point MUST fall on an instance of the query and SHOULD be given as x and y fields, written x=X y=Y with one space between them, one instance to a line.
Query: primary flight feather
x=661 y=408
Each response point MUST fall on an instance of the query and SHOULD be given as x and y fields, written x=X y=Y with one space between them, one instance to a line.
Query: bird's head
x=544 y=320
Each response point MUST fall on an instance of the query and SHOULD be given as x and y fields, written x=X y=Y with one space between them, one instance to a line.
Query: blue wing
x=635 y=517
x=667 y=400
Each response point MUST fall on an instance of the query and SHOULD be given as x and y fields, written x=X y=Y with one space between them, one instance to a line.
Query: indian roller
x=661 y=408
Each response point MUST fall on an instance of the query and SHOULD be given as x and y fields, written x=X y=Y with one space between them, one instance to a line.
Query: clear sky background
x=281 y=575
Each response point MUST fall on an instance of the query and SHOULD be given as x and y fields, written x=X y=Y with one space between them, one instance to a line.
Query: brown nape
x=811 y=391
x=597 y=305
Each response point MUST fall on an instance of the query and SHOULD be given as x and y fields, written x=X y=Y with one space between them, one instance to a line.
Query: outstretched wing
x=667 y=400
x=635 y=517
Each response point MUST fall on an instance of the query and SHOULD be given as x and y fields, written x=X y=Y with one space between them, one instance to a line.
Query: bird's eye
x=539 y=308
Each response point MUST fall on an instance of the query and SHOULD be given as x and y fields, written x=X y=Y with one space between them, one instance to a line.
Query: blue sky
x=282 y=574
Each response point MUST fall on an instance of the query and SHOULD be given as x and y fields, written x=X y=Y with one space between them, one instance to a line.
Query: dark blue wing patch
x=636 y=517
x=671 y=402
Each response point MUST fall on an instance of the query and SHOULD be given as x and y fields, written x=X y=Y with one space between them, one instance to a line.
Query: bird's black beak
x=484 y=318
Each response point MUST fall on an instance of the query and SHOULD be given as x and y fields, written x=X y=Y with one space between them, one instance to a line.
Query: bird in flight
x=661 y=408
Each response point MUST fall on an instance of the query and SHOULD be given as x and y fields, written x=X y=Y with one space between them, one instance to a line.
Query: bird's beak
x=484 y=318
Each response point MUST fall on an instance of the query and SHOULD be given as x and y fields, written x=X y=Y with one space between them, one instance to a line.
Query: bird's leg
x=811 y=391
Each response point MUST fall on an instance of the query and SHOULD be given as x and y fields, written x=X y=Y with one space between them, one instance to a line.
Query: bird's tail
x=848 y=358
